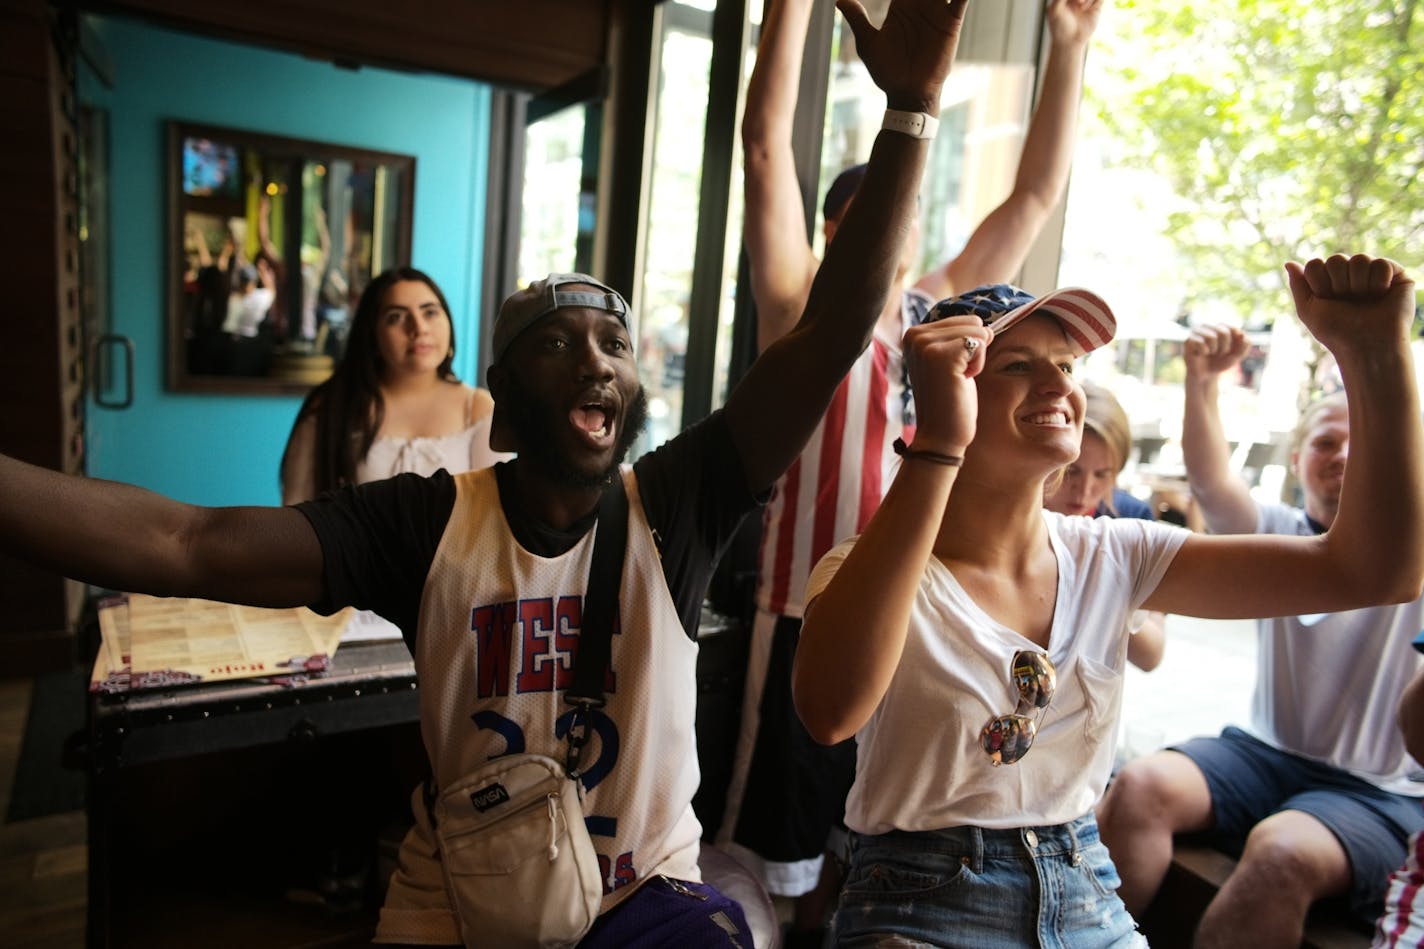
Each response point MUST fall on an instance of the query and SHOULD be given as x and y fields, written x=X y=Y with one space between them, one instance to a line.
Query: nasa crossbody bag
x=518 y=861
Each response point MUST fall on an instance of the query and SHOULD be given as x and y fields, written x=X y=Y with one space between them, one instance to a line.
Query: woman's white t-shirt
x=919 y=764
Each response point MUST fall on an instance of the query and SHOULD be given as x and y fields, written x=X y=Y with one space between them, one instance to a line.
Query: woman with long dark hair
x=393 y=404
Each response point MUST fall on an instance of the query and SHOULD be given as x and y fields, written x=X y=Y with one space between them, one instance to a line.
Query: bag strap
x=600 y=604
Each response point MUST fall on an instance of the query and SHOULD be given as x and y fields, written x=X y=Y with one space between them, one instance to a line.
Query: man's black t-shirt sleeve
x=694 y=491
x=378 y=540
x=385 y=529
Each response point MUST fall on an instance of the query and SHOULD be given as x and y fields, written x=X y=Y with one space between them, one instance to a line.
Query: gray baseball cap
x=523 y=308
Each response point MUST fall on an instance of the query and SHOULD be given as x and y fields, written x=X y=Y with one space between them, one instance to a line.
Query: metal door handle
x=126 y=344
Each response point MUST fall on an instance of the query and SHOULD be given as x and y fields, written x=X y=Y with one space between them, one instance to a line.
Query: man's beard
x=533 y=420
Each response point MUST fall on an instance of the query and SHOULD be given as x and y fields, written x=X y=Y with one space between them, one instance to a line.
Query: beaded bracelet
x=939 y=458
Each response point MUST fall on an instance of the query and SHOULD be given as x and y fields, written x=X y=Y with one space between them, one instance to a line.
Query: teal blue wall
x=210 y=449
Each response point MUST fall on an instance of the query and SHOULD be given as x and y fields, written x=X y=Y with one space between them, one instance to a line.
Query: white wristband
x=914 y=124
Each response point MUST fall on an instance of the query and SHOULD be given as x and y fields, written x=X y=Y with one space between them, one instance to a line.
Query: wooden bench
x=1197 y=872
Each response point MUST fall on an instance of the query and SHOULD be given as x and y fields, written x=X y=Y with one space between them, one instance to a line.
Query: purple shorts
x=666 y=912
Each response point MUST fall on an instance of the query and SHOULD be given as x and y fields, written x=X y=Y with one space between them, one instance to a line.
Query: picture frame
x=270 y=242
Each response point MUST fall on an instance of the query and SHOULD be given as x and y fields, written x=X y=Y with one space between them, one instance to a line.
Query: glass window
x=732 y=249
x=556 y=231
x=984 y=113
x=553 y=207
x=1115 y=242
x=670 y=223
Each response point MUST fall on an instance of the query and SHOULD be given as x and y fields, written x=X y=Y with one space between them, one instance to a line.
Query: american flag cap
x=1084 y=316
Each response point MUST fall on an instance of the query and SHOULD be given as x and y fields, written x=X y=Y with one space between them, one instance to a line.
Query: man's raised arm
x=774 y=220
x=126 y=538
x=1361 y=309
x=782 y=398
x=1223 y=496
x=996 y=250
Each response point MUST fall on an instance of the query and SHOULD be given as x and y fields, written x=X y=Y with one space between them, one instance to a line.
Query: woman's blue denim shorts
x=972 y=887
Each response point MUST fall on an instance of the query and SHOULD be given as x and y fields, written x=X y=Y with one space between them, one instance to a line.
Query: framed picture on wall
x=270 y=242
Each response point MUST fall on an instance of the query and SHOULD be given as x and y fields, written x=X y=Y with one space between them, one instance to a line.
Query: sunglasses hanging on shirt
x=1007 y=738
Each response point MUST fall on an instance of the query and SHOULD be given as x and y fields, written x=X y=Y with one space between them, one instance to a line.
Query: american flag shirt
x=835 y=485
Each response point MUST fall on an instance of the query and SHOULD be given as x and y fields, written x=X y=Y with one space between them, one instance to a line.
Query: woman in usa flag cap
x=974 y=642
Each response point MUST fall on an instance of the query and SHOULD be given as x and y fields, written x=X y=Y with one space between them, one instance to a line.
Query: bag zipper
x=680 y=887
x=553 y=828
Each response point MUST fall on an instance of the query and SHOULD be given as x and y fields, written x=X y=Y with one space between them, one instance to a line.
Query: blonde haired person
x=1088 y=486
x=1315 y=789
x=965 y=610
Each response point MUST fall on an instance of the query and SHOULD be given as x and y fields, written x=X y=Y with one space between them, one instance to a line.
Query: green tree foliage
x=1287 y=128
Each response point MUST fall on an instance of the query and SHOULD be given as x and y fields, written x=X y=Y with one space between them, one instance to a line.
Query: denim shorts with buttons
x=984 y=889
